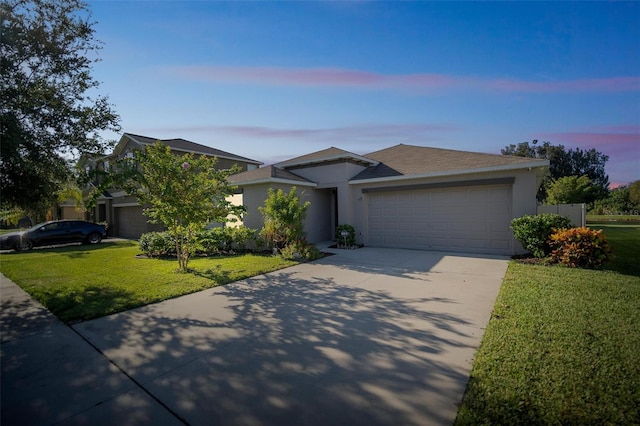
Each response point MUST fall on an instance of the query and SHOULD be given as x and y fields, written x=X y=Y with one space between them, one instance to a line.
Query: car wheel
x=94 y=238
x=23 y=245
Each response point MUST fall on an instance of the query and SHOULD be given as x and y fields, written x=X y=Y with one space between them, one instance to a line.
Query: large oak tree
x=50 y=110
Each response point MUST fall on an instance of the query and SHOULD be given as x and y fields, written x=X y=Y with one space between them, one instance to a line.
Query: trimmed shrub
x=300 y=250
x=533 y=231
x=157 y=244
x=241 y=235
x=223 y=240
x=350 y=240
x=214 y=240
x=580 y=248
x=210 y=241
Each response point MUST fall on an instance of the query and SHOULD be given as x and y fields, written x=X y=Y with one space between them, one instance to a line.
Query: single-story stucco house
x=120 y=210
x=405 y=196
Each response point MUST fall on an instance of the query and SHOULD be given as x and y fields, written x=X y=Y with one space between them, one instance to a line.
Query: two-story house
x=120 y=210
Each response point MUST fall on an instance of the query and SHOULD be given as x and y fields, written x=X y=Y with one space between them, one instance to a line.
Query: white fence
x=575 y=212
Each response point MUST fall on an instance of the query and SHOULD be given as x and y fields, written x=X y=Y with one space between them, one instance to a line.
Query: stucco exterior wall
x=335 y=176
x=71 y=212
x=224 y=164
x=253 y=196
x=318 y=225
x=330 y=175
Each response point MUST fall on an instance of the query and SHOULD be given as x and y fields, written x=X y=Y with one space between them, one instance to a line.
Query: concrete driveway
x=364 y=337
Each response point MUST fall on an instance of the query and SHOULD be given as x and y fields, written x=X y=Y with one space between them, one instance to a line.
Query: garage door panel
x=475 y=243
x=501 y=245
x=472 y=219
x=405 y=227
x=131 y=221
x=404 y=197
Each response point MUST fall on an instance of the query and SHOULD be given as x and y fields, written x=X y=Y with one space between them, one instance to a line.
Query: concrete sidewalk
x=365 y=337
x=51 y=375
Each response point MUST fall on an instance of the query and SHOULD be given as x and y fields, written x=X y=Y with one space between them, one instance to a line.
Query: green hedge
x=208 y=242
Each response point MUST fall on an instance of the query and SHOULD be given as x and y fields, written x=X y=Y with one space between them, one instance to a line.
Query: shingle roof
x=265 y=174
x=403 y=159
x=396 y=161
x=328 y=154
x=188 y=146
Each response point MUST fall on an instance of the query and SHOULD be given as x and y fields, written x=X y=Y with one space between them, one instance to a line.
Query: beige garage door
x=473 y=219
x=131 y=222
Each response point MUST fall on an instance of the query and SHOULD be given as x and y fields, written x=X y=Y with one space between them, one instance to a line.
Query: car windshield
x=38 y=226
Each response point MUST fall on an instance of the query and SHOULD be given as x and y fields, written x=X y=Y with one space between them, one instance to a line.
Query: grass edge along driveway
x=79 y=283
x=562 y=344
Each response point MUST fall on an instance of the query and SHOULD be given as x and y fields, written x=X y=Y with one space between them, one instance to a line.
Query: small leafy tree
x=284 y=218
x=183 y=193
x=571 y=189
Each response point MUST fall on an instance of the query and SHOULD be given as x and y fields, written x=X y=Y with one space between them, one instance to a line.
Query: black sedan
x=54 y=232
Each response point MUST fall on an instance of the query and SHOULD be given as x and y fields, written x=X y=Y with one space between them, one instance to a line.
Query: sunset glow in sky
x=273 y=80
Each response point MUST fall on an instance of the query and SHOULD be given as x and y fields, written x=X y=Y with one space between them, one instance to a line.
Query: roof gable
x=268 y=174
x=186 y=146
x=325 y=156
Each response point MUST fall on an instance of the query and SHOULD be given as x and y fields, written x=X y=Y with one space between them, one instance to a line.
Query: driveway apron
x=363 y=337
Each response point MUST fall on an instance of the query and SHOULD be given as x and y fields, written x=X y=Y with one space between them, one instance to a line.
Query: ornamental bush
x=210 y=241
x=214 y=240
x=533 y=231
x=300 y=250
x=157 y=244
x=241 y=235
x=221 y=240
x=580 y=247
x=284 y=216
x=350 y=240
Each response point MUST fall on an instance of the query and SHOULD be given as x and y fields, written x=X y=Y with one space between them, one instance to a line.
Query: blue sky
x=273 y=80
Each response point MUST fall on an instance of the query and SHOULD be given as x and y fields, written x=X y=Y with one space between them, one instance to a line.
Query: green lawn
x=83 y=282
x=625 y=239
x=563 y=345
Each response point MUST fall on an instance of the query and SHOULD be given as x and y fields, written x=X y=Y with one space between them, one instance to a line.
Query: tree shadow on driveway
x=301 y=346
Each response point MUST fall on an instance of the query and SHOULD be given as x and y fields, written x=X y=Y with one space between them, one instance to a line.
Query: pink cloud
x=361 y=133
x=622 y=128
x=613 y=143
x=337 y=77
x=312 y=77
